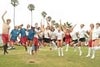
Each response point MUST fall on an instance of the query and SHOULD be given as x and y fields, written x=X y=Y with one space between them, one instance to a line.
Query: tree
x=53 y=22
x=44 y=14
x=31 y=7
x=14 y=3
x=48 y=18
x=56 y=25
x=68 y=24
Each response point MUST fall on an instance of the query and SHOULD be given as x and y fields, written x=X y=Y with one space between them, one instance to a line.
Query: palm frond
x=48 y=18
x=53 y=22
x=44 y=14
x=31 y=7
x=14 y=2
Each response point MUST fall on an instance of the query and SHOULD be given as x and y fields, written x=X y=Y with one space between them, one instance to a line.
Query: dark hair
x=33 y=28
x=8 y=20
x=98 y=24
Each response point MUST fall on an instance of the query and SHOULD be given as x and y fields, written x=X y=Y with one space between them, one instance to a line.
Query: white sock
x=58 y=51
x=62 y=52
x=80 y=52
x=93 y=53
x=67 y=47
x=30 y=50
x=89 y=52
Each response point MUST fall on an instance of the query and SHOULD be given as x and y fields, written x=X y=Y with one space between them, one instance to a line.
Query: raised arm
x=71 y=29
x=3 y=16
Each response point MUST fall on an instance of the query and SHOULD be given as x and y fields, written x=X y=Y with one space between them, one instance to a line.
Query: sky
x=73 y=11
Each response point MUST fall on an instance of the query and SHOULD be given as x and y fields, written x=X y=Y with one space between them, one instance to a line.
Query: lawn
x=47 y=58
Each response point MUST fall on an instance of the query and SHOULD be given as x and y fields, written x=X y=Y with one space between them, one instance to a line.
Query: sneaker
x=9 y=48
x=88 y=55
x=93 y=57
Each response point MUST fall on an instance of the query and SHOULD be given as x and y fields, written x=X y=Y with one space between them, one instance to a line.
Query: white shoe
x=66 y=50
x=93 y=57
x=30 y=53
x=88 y=55
x=9 y=48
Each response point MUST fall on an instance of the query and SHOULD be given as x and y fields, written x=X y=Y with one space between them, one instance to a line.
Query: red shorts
x=23 y=40
x=35 y=41
x=67 y=38
x=5 y=38
x=90 y=43
x=68 y=41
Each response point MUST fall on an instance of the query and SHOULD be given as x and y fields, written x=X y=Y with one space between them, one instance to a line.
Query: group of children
x=54 y=36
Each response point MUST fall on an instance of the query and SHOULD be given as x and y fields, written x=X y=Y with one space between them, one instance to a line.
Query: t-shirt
x=82 y=33
x=53 y=34
x=47 y=34
x=23 y=32
x=31 y=34
x=59 y=35
x=73 y=35
x=14 y=34
x=96 y=33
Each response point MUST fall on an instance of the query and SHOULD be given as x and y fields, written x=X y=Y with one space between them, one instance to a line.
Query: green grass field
x=47 y=58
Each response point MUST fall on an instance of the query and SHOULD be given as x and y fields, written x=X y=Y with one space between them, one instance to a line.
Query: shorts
x=68 y=41
x=82 y=39
x=23 y=40
x=47 y=40
x=5 y=38
x=53 y=40
x=64 y=39
x=75 y=41
x=40 y=39
x=35 y=41
x=29 y=39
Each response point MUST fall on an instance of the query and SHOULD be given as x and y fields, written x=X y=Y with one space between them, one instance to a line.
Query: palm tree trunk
x=14 y=17
x=31 y=18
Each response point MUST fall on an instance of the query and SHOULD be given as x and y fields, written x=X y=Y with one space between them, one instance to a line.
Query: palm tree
x=31 y=7
x=68 y=24
x=53 y=22
x=14 y=3
x=48 y=18
x=44 y=14
x=56 y=25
